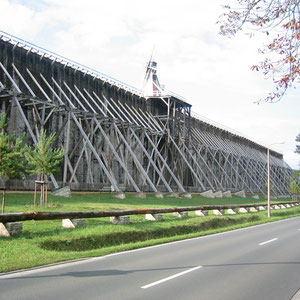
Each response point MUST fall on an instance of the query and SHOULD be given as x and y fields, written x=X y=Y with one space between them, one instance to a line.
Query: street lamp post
x=268 y=182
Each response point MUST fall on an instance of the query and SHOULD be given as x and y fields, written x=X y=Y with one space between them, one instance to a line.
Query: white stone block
x=282 y=206
x=218 y=212
x=227 y=194
x=288 y=205
x=255 y=197
x=72 y=223
x=261 y=207
x=275 y=207
x=120 y=220
x=243 y=210
x=218 y=194
x=232 y=211
x=63 y=192
x=172 y=195
x=154 y=217
x=10 y=228
x=182 y=214
x=201 y=213
x=241 y=194
x=208 y=194
x=186 y=195
x=159 y=195
x=119 y=195
x=140 y=195
x=252 y=209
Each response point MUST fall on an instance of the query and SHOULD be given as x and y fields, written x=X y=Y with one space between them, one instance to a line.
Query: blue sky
x=212 y=72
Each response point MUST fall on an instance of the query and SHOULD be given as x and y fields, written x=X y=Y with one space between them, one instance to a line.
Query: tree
x=12 y=161
x=44 y=160
x=279 y=21
x=295 y=189
x=298 y=146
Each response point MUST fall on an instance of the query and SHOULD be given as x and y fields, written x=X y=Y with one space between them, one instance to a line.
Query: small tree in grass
x=295 y=189
x=44 y=160
x=12 y=160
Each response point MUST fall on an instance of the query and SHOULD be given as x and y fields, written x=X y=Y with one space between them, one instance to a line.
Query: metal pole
x=268 y=167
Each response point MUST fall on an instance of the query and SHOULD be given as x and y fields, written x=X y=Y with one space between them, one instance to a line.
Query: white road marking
x=170 y=277
x=268 y=241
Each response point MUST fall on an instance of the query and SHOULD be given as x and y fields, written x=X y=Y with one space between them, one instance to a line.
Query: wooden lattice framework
x=117 y=139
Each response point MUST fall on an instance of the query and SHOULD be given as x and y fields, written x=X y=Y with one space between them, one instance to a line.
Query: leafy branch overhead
x=279 y=21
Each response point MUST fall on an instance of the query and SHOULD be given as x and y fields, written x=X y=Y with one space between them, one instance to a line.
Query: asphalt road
x=261 y=262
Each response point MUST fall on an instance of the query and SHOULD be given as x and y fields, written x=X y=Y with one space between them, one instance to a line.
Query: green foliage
x=296 y=175
x=295 y=187
x=2 y=121
x=298 y=146
x=42 y=159
x=12 y=150
x=271 y=186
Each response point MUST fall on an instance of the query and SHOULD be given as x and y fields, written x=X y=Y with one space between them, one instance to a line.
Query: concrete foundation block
x=261 y=207
x=182 y=214
x=292 y=205
x=154 y=217
x=227 y=194
x=140 y=195
x=119 y=195
x=288 y=205
x=208 y=194
x=218 y=194
x=120 y=220
x=201 y=213
x=172 y=195
x=218 y=212
x=241 y=194
x=275 y=207
x=185 y=195
x=159 y=195
x=243 y=210
x=63 y=192
x=282 y=206
x=255 y=197
x=232 y=211
x=253 y=209
x=11 y=228
x=72 y=223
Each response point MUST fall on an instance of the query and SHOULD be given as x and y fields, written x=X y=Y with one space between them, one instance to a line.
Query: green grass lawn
x=44 y=242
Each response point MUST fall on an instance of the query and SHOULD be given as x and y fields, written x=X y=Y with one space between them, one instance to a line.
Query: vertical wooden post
x=34 y=199
x=46 y=192
x=3 y=201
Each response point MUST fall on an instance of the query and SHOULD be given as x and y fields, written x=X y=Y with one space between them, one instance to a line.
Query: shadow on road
x=97 y=273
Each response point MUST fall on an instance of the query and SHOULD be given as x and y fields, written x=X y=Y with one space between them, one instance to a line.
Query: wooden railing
x=42 y=215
